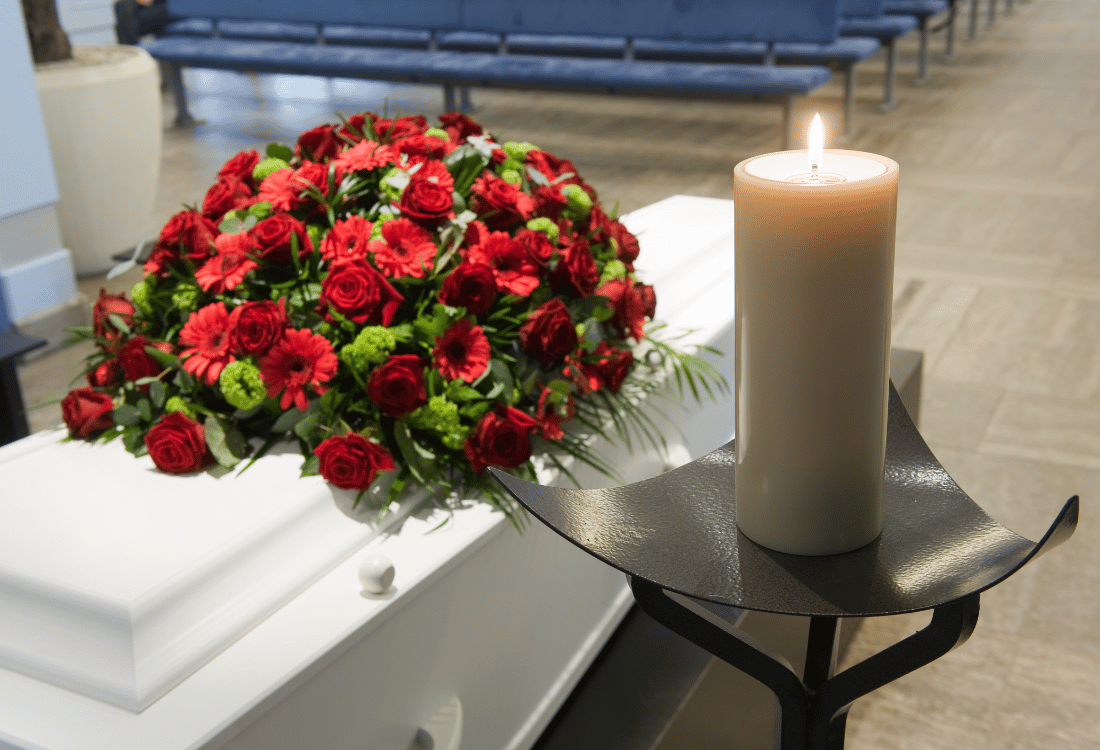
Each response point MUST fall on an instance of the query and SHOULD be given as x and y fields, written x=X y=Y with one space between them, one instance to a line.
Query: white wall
x=87 y=21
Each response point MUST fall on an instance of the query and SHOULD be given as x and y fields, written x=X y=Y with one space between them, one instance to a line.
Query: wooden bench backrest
x=756 y=20
x=410 y=14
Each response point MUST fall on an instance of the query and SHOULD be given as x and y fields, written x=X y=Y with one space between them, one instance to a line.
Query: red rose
x=476 y=233
x=226 y=195
x=459 y=127
x=177 y=444
x=240 y=167
x=426 y=202
x=107 y=305
x=537 y=245
x=549 y=201
x=397 y=386
x=607 y=366
x=360 y=293
x=191 y=234
x=319 y=144
x=498 y=203
x=274 y=236
x=106 y=375
x=393 y=130
x=136 y=362
x=351 y=462
x=254 y=327
x=629 y=305
x=553 y=168
x=548 y=334
x=626 y=244
x=502 y=438
x=576 y=274
x=470 y=285
x=86 y=411
x=420 y=148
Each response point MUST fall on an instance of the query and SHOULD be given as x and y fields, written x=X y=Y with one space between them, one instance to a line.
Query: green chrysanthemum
x=175 y=403
x=511 y=176
x=579 y=202
x=371 y=347
x=241 y=385
x=518 y=149
x=186 y=299
x=438 y=133
x=546 y=226
x=376 y=230
x=615 y=269
x=266 y=167
x=441 y=416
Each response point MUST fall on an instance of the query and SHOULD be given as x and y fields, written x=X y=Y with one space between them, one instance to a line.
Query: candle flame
x=815 y=145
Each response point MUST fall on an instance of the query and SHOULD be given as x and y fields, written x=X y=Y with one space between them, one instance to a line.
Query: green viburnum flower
x=438 y=133
x=615 y=269
x=579 y=202
x=546 y=226
x=510 y=164
x=140 y=296
x=511 y=176
x=241 y=385
x=266 y=167
x=376 y=230
x=371 y=347
x=186 y=299
x=441 y=416
x=175 y=403
x=518 y=150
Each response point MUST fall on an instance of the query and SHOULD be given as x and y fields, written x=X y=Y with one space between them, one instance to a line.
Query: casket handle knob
x=443 y=731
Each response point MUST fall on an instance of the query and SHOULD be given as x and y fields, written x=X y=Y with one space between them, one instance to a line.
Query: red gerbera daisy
x=365 y=155
x=347 y=239
x=513 y=268
x=408 y=250
x=282 y=190
x=462 y=352
x=300 y=358
x=227 y=269
x=206 y=332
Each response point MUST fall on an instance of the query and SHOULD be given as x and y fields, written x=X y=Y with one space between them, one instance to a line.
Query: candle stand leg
x=811 y=711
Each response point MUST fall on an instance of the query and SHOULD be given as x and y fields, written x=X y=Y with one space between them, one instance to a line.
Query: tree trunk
x=49 y=42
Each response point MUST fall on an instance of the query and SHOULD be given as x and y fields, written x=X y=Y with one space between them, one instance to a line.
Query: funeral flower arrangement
x=394 y=296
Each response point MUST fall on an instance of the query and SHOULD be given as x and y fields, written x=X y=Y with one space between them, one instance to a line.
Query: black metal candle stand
x=676 y=538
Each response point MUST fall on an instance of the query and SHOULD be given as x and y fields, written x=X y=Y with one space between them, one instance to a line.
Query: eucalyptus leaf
x=125 y=414
x=217 y=442
x=536 y=176
x=305 y=426
x=288 y=419
x=135 y=443
x=311 y=467
x=119 y=322
x=145 y=409
x=419 y=464
x=164 y=359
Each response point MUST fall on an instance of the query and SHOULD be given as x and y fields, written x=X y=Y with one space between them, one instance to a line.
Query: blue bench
x=334 y=39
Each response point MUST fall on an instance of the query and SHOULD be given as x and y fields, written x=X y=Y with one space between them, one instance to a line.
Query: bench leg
x=973 y=19
x=449 y=98
x=465 y=104
x=889 y=99
x=849 y=99
x=949 y=36
x=788 y=122
x=175 y=82
x=922 y=58
x=992 y=11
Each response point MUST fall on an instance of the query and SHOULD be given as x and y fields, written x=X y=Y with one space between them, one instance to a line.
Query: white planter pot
x=103 y=120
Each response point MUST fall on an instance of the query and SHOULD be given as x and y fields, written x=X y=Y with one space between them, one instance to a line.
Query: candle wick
x=813 y=172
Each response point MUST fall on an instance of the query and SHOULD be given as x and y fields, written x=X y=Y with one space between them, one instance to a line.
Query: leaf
x=288 y=419
x=305 y=427
x=279 y=151
x=219 y=442
x=134 y=442
x=119 y=323
x=125 y=414
x=230 y=225
x=417 y=457
x=121 y=268
x=145 y=409
x=311 y=467
x=164 y=359
x=536 y=176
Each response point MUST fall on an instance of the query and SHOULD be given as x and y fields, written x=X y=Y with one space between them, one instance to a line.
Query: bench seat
x=887 y=30
x=271 y=31
x=190 y=27
x=376 y=36
x=568 y=45
x=486 y=69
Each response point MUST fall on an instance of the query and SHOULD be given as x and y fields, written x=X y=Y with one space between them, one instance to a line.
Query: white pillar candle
x=814 y=280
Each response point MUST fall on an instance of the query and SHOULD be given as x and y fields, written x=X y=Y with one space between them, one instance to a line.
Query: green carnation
x=438 y=133
x=266 y=167
x=511 y=176
x=579 y=202
x=371 y=347
x=518 y=151
x=175 y=403
x=241 y=385
x=615 y=269
x=140 y=296
x=546 y=226
x=186 y=299
x=441 y=416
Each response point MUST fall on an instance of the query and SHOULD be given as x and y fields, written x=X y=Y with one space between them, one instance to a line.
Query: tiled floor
x=997 y=282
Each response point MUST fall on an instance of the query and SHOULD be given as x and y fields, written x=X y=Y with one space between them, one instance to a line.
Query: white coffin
x=141 y=610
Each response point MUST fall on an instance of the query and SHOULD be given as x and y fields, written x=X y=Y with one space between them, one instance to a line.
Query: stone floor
x=997 y=282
